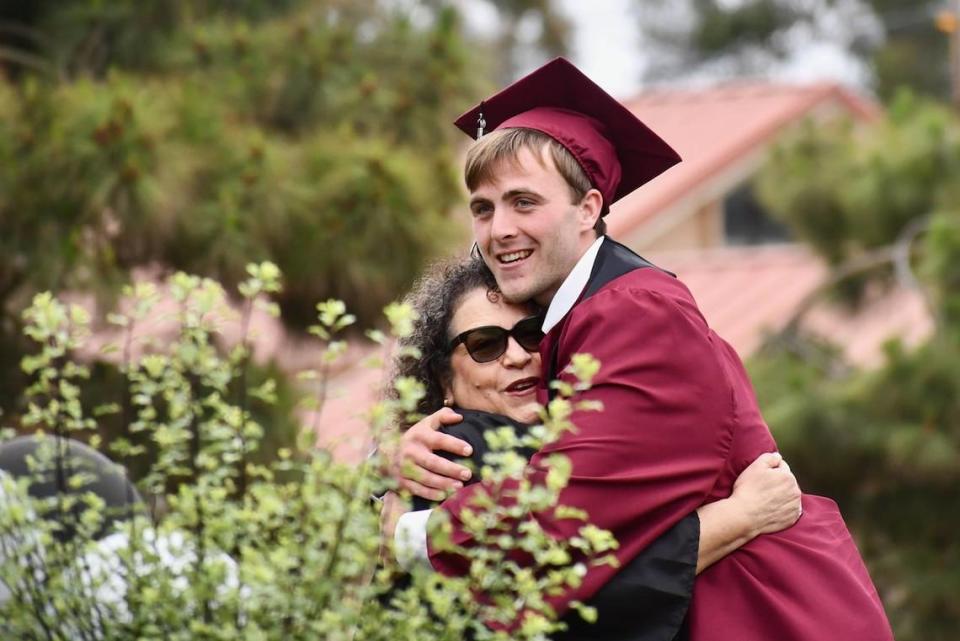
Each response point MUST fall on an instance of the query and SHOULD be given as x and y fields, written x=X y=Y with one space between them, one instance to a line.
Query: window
x=745 y=222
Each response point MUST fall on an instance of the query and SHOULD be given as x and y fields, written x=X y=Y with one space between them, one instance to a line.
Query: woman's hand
x=423 y=473
x=765 y=499
x=391 y=510
x=767 y=495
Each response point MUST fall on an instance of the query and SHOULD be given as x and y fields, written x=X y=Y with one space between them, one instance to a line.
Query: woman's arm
x=765 y=499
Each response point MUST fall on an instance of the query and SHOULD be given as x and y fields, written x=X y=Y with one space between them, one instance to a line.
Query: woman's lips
x=523 y=386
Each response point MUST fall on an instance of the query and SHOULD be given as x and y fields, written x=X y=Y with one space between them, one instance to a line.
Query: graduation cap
x=615 y=149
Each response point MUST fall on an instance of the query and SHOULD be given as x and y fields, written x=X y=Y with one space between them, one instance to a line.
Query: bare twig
x=897 y=254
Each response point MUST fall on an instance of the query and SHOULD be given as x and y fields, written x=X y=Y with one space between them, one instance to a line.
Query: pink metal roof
x=713 y=128
x=745 y=293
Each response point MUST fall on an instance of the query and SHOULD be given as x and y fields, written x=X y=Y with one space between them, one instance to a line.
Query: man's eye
x=481 y=210
x=524 y=202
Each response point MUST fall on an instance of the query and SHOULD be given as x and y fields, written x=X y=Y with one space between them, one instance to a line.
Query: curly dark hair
x=435 y=297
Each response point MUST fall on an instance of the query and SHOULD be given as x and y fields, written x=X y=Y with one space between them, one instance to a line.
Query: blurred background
x=816 y=216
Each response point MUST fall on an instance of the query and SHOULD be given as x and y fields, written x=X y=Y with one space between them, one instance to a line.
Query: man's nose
x=502 y=225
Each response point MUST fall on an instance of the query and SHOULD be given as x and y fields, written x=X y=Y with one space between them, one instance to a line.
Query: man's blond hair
x=488 y=153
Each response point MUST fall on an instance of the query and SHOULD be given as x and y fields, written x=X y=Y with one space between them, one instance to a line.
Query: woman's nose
x=516 y=355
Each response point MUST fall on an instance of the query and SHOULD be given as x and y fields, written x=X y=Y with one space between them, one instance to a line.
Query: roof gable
x=715 y=128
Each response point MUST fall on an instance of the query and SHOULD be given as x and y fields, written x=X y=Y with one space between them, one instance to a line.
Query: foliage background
x=201 y=135
x=885 y=443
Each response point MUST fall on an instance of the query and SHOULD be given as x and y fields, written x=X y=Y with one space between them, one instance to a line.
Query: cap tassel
x=481 y=123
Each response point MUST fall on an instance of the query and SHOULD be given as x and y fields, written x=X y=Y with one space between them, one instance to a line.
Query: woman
x=479 y=355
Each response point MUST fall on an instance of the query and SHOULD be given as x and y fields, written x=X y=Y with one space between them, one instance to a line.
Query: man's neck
x=544 y=298
x=564 y=297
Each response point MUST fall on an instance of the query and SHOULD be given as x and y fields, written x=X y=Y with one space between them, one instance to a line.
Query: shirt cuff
x=410 y=540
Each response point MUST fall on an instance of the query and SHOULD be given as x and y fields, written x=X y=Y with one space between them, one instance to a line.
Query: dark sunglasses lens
x=528 y=334
x=486 y=344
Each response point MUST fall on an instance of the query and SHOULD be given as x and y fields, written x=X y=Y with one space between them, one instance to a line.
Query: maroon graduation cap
x=618 y=152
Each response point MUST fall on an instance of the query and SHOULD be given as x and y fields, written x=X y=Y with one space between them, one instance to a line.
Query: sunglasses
x=488 y=343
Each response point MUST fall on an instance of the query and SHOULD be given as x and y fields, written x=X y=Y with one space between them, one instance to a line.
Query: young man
x=680 y=419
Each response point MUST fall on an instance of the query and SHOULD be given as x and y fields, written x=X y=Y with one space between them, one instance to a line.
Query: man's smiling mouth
x=513 y=257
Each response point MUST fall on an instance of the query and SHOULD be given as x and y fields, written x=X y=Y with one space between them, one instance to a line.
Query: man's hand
x=768 y=494
x=421 y=472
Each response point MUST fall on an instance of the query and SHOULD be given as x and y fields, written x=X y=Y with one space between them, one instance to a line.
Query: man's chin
x=516 y=292
x=519 y=288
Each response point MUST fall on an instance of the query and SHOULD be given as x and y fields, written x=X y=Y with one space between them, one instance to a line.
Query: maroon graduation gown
x=647 y=599
x=680 y=423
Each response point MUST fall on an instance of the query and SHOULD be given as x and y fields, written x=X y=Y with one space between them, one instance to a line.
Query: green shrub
x=227 y=545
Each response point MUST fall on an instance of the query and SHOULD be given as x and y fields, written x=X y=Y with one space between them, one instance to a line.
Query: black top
x=647 y=599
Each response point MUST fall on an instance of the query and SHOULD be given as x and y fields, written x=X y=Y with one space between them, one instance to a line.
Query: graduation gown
x=647 y=599
x=680 y=422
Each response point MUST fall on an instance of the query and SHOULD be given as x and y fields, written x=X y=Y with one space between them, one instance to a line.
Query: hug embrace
x=716 y=541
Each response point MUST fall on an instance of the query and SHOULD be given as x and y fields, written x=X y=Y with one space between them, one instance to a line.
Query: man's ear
x=590 y=207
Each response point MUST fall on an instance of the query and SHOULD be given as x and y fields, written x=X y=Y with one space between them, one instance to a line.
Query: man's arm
x=766 y=499
x=416 y=465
